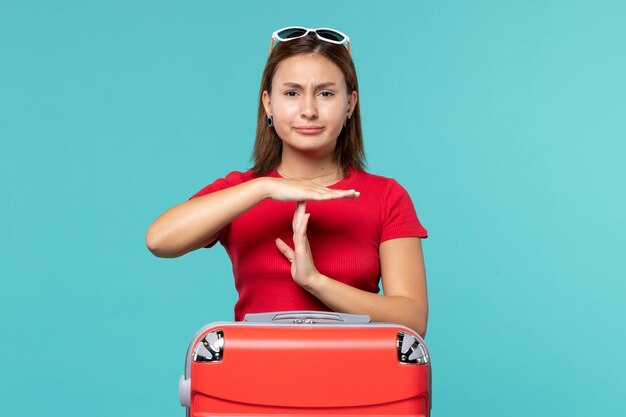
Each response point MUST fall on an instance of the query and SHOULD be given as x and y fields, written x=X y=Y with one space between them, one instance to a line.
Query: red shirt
x=344 y=236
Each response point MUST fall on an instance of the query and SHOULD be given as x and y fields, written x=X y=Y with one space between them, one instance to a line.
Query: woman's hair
x=267 y=151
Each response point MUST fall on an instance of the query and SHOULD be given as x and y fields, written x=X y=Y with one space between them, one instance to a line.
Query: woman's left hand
x=303 y=270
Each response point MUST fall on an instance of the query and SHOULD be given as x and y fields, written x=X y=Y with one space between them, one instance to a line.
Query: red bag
x=306 y=363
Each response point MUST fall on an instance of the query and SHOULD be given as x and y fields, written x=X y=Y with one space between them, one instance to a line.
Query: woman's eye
x=292 y=93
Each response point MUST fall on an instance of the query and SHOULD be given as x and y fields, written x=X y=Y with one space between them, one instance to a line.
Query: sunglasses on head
x=325 y=34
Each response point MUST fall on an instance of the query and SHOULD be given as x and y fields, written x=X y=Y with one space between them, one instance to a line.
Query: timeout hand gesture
x=303 y=270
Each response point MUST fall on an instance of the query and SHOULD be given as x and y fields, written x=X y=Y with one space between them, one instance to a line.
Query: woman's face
x=309 y=103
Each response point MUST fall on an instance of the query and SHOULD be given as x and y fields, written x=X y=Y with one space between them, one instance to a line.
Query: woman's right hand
x=284 y=189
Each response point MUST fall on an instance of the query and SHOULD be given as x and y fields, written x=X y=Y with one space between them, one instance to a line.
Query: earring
x=348 y=122
x=270 y=121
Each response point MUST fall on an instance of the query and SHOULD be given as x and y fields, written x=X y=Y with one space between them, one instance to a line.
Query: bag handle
x=307 y=317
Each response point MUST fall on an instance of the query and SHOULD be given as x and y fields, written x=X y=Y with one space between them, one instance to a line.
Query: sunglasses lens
x=291 y=33
x=331 y=35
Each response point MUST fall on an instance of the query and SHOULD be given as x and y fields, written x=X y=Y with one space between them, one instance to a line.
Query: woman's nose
x=309 y=108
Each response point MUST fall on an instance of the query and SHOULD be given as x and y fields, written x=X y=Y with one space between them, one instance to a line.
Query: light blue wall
x=503 y=119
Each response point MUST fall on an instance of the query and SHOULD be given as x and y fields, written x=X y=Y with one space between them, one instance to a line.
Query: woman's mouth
x=309 y=130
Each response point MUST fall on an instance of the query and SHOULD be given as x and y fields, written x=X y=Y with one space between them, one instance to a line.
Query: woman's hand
x=303 y=270
x=283 y=189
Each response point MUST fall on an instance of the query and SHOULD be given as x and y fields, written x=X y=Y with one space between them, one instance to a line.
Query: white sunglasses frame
x=275 y=36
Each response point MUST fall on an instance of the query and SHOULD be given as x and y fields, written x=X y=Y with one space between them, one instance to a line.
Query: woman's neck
x=326 y=171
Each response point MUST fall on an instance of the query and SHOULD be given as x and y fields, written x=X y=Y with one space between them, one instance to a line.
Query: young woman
x=306 y=228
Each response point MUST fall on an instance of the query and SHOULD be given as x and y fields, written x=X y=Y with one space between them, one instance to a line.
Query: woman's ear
x=267 y=103
x=352 y=99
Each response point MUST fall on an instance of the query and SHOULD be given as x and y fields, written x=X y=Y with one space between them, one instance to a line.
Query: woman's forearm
x=404 y=281
x=195 y=223
x=343 y=298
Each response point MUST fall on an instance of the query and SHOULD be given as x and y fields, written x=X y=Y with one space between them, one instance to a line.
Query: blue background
x=503 y=119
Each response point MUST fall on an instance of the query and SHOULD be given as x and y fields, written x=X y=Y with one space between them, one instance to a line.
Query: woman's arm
x=405 y=299
x=196 y=222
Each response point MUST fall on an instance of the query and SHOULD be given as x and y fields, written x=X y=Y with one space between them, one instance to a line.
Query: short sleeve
x=399 y=216
x=217 y=185
x=234 y=178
